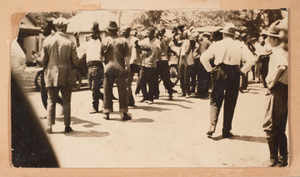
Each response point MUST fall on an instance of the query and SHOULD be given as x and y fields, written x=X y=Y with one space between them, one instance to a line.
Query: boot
x=273 y=147
x=283 y=158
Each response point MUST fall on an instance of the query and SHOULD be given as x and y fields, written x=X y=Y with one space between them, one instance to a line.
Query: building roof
x=29 y=26
x=83 y=21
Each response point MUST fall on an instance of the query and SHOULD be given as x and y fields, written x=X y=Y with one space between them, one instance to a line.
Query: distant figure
x=34 y=58
x=58 y=57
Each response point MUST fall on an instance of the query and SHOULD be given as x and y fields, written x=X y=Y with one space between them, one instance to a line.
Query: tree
x=253 y=19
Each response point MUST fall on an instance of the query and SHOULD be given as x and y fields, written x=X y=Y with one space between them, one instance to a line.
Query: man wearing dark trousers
x=163 y=64
x=114 y=51
x=95 y=66
x=151 y=46
x=277 y=82
x=204 y=76
x=228 y=54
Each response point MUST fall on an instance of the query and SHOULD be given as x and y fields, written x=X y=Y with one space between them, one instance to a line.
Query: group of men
x=117 y=58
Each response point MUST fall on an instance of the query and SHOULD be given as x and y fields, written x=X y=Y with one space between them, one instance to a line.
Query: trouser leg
x=66 y=93
x=52 y=97
x=231 y=95
x=144 y=76
x=216 y=100
x=121 y=84
x=151 y=82
x=165 y=76
x=130 y=98
x=189 y=70
x=108 y=85
x=182 y=72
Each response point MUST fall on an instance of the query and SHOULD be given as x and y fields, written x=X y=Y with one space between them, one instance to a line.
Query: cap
x=206 y=34
x=229 y=29
x=61 y=22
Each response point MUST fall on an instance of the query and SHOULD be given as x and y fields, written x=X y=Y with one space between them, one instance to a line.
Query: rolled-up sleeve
x=208 y=54
x=249 y=59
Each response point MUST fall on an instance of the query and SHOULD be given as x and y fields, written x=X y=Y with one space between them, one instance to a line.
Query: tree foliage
x=40 y=17
x=254 y=20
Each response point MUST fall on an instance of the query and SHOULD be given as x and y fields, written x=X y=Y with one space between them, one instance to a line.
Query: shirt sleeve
x=208 y=54
x=74 y=56
x=249 y=59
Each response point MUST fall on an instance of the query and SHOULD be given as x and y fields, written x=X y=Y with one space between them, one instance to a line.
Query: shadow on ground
x=242 y=138
x=84 y=134
x=76 y=120
x=172 y=104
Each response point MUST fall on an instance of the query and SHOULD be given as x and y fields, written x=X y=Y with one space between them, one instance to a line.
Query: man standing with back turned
x=114 y=50
x=58 y=57
x=228 y=54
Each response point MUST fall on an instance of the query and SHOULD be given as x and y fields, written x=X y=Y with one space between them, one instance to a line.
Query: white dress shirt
x=229 y=52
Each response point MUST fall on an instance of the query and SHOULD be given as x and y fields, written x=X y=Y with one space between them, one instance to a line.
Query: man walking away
x=228 y=54
x=114 y=51
x=59 y=56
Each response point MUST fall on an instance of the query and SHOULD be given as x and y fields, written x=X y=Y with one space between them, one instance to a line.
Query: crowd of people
x=220 y=60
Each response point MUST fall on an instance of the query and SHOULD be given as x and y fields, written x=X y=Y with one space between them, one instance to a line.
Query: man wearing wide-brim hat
x=277 y=109
x=114 y=51
x=59 y=55
x=228 y=54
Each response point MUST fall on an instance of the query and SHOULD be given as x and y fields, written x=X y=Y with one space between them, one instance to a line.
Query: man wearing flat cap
x=114 y=51
x=58 y=57
x=228 y=54
x=277 y=109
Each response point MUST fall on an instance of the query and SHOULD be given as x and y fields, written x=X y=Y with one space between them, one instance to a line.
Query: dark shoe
x=227 y=135
x=143 y=100
x=193 y=90
x=209 y=133
x=272 y=163
x=282 y=163
x=125 y=117
x=93 y=111
x=170 y=96
x=156 y=97
x=106 y=116
x=68 y=129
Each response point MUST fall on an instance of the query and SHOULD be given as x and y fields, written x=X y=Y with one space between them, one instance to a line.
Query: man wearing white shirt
x=228 y=54
x=92 y=49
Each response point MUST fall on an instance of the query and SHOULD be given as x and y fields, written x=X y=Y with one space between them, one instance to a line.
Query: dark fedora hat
x=112 y=25
x=95 y=27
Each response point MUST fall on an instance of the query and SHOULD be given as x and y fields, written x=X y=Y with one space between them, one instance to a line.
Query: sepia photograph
x=174 y=88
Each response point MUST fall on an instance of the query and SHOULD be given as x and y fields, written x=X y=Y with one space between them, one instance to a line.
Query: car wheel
x=38 y=80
